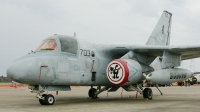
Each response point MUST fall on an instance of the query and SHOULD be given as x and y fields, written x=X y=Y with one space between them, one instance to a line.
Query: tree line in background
x=5 y=79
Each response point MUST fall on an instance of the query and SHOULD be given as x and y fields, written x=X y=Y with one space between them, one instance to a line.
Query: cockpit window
x=68 y=44
x=48 y=45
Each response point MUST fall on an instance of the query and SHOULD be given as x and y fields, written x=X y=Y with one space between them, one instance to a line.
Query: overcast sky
x=25 y=23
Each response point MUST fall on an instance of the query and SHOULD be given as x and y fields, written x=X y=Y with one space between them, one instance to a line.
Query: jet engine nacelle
x=123 y=72
x=167 y=76
x=197 y=78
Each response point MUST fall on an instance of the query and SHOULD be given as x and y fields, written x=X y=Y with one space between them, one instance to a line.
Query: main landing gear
x=93 y=93
x=46 y=99
x=147 y=93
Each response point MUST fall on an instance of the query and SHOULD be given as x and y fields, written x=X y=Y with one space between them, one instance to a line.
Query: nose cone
x=10 y=72
x=22 y=70
x=16 y=71
x=34 y=70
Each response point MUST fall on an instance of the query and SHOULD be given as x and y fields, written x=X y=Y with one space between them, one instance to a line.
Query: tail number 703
x=85 y=52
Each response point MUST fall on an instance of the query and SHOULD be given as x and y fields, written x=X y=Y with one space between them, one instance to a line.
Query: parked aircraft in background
x=63 y=61
x=196 y=77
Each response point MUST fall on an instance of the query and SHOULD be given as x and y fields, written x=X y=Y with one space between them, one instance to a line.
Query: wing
x=186 y=52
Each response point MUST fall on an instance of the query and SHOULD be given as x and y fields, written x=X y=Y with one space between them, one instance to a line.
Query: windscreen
x=68 y=44
x=48 y=45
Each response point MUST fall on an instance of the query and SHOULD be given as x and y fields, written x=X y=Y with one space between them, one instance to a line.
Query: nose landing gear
x=46 y=99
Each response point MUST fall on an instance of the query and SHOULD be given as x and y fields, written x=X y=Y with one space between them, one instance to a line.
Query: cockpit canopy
x=66 y=44
x=49 y=44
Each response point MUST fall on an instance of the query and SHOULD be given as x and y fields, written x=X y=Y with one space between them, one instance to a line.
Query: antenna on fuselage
x=74 y=34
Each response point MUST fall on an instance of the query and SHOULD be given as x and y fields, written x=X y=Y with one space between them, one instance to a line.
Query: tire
x=92 y=92
x=147 y=93
x=49 y=99
x=42 y=101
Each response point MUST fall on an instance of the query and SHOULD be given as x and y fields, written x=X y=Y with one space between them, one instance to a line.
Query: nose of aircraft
x=16 y=71
x=31 y=71
x=22 y=70
x=10 y=73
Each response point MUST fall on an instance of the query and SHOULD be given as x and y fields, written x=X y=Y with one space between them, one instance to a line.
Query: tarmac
x=174 y=99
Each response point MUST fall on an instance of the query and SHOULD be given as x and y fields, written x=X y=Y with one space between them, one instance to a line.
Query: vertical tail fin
x=162 y=30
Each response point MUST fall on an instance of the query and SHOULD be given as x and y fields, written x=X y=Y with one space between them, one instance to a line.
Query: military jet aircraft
x=63 y=61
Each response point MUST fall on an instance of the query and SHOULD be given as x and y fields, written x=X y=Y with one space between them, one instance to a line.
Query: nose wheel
x=147 y=93
x=47 y=99
x=41 y=100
